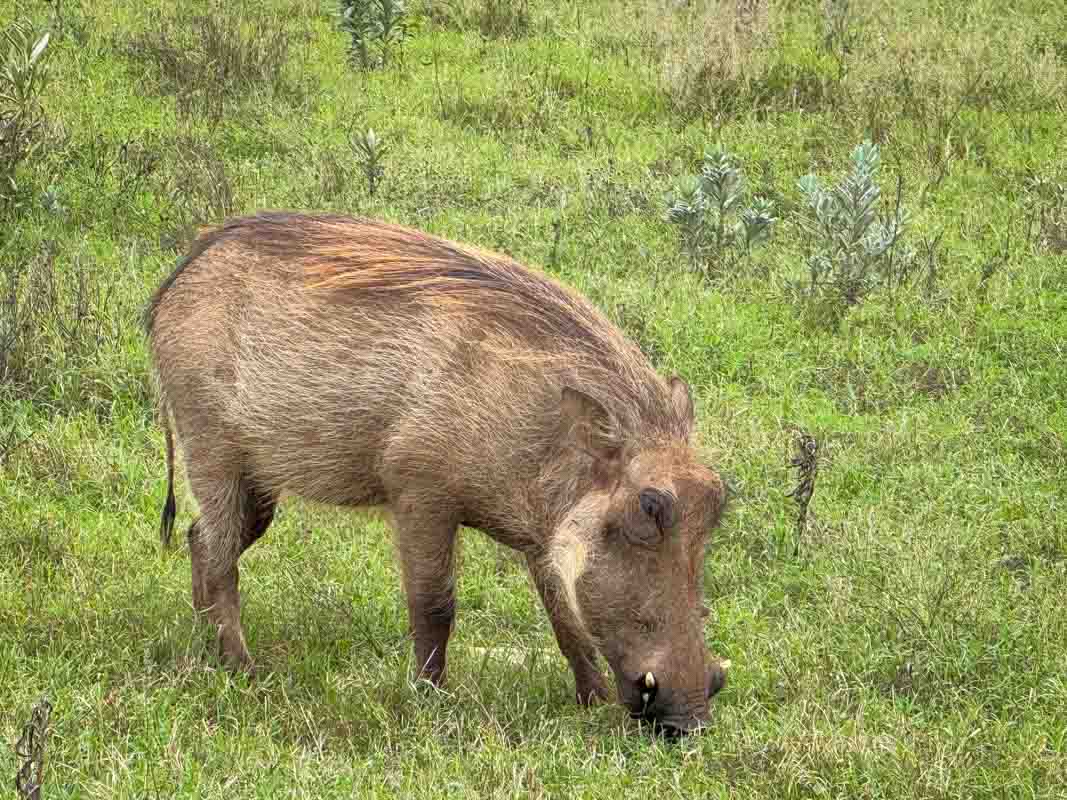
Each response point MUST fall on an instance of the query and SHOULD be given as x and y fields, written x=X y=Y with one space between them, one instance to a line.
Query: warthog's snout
x=671 y=712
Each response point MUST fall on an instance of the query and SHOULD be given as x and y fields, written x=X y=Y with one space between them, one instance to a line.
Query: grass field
x=910 y=642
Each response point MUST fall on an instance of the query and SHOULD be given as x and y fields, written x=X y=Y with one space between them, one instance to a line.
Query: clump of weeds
x=716 y=227
x=24 y=74
x=376 y=29
x=853 y=242
x=211 y=62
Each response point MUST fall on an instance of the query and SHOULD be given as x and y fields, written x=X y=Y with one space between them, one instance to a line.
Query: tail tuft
x=170 y=511
x=170 y=507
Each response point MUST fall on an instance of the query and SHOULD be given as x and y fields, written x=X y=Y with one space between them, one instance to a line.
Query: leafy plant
x=708 y=210
x=370 y=152
x=854 y=248
x=374 y=28
x=23 y=76
x=51 y=201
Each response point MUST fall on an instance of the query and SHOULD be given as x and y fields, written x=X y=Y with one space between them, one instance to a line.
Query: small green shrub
x=375 y=28
x=23 y=77
x=853 y=247
x=708 y=209
x=370 y=153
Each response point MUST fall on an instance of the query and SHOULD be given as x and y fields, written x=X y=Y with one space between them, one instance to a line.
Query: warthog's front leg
x=426 y=544
x=589 y=684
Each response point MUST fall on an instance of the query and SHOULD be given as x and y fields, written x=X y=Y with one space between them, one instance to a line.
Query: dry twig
x=30 y=747
x=806 y=464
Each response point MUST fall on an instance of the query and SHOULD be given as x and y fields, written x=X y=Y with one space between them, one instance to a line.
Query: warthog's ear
x=682 y=400
x=587 y=424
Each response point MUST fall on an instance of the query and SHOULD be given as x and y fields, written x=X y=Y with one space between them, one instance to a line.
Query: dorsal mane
x=375 y=259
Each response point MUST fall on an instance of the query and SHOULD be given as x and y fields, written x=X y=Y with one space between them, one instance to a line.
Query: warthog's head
x=630 y=557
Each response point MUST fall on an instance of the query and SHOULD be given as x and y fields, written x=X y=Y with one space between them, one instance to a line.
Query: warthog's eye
x=659 y=506
x=647 y=521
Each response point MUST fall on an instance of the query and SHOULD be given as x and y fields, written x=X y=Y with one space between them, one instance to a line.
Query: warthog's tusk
x=645 y=697
x=650 y=680
x=725 y=664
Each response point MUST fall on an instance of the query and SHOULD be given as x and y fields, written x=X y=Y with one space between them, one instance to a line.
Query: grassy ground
x=912 y=642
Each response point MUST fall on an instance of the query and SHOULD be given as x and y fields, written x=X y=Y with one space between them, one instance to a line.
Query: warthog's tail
x=170 y=508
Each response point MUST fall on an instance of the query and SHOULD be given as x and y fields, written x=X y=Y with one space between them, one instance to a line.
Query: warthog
x=358 y=363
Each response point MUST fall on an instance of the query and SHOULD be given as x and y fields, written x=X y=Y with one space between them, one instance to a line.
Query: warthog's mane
x=376 y=262
x=382 y=261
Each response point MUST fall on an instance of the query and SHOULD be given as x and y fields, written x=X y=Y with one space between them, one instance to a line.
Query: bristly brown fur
x=359 y=257
x=205 y=239
x=359 y=363
x=361 y=260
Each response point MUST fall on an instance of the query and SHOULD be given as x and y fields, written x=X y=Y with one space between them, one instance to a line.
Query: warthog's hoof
x=234 y=655
x=591 y=694
x=240 y=666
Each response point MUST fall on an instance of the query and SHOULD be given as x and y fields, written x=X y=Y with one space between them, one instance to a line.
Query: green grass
x=911 y=643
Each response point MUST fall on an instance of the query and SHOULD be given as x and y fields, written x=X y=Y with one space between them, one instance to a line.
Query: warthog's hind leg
x=233 y=517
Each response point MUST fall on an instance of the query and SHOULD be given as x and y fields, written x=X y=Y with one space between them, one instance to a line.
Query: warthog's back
x=335 y=353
